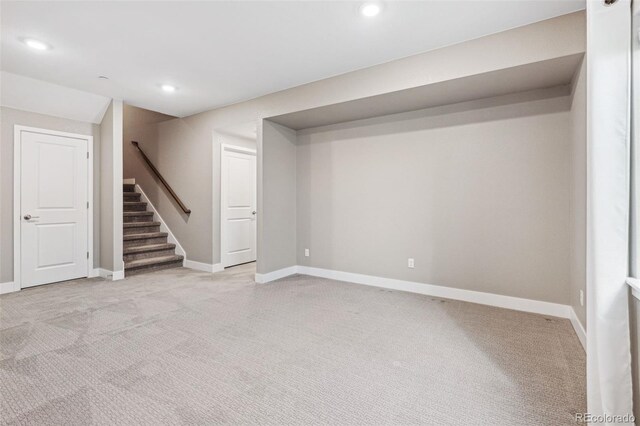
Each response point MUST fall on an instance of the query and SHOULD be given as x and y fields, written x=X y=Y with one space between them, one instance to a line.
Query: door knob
x=253 y=212
x=29 y=217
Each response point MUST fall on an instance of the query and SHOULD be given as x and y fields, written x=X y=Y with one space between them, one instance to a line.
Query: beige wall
x=8 y=118
x=479 y=198
x=111 y=189
x=185 y=149
x=140 y=125
x=277 y=203
x=579 y=195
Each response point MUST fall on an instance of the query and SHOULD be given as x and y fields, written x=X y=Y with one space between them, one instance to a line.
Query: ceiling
x=218 y=53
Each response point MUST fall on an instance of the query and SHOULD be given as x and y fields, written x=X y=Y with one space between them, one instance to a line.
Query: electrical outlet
x=306 y=252
x=581 y=298
x=411 y=263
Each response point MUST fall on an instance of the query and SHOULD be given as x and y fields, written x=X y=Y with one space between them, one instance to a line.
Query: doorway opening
x=238 y=194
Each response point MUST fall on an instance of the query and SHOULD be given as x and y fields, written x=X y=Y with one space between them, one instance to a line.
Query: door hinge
x=87 y=255
x=87 y=204
x=87 y=155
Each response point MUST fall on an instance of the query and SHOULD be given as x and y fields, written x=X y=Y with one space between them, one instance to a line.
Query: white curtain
x=609 y=389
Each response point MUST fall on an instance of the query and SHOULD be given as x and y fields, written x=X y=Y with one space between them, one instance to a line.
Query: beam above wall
x=551 y=78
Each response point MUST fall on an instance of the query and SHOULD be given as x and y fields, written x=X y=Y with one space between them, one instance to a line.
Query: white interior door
x=238 y=178
x=53 y=208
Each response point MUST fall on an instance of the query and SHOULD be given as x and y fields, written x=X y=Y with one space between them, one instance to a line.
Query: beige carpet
x=184 y=347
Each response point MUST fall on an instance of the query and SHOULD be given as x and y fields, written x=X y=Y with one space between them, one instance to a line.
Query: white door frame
x=223 y=194
x=17 y=196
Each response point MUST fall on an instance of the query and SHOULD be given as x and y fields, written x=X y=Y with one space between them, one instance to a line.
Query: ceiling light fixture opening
x=168 y=88
x=36 y=44
x=370 y=9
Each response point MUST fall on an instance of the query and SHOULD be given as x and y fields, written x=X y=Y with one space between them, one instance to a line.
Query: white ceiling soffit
x=222 y=52
x=553 y=73
x=33 y=95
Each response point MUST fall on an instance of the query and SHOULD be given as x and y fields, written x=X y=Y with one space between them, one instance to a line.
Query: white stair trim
x=163 y=225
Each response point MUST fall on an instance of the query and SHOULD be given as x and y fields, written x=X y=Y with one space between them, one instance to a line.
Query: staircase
x=145 y=248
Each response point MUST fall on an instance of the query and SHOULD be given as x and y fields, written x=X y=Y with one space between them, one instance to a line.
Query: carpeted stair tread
x=149 y=247
x=144 y=236
x=141 y=263
x=140 y=224
x=140 y=213
x=146 y=249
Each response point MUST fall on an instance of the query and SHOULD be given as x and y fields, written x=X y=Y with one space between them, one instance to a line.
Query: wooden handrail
x=164 y=182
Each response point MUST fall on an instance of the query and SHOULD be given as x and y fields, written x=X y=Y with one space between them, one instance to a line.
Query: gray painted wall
x=277 y=204
x=8 y=118
x=140 y=125
x=579 y=196
x=111 y=189
x=185 y=150
x=106 y=186
x=479 y=198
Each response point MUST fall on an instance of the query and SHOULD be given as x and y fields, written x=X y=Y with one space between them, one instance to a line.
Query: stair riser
x=127 y=187
x=149 y=254
x=141 y=218
x=145 y=241
x=152 y=268
x=141 y=230
x=135 y=208
x=131 y=196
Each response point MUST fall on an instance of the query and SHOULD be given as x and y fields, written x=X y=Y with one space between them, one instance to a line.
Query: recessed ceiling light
x=168 y=88
x=370 y=9
x=36 y=44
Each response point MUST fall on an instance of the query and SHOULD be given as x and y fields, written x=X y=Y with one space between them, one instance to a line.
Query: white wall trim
x=276 y=275
x=9 y=287
x=497 y=300
x=578 y=328
x=110 y=275
x=206 y=267
x=163 y=225
x=95 y=272
x=17 y=195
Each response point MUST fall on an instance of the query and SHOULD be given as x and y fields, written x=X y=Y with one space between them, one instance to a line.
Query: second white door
x=238 y=196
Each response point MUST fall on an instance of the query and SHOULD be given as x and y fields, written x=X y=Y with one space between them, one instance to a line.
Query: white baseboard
x=8 y=287
x=276 y=275
x=206 y=267
x=95 y=272
x=110 y=275
x=579 y=329
x=500 y=301
x=497 y=300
